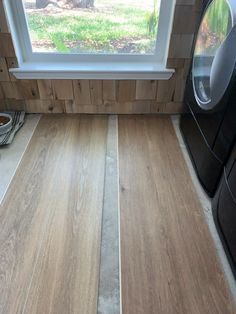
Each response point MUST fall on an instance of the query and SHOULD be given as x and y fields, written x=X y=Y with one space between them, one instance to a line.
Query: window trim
x=59 y=65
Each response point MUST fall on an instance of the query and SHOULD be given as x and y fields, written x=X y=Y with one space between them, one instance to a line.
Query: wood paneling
x=146 y=90
x=166 y=90
x=82 y=92
x=28 y=89
x=180 y=85
x=45 y=89
x=109 y=90
x=184 y=20
x=3 y=21
x=4 y=75
x=45 y=106
x=96 y=92
x=1 y=93
x=181 y=45
x=6 y=45
x=126 y=91
x=12 y=63
x=51 y=220
x=11 y=90
x=2 y=105
x=62 y=89
x=107 y=96
x=13 y=104
x=169 y=262
x=166 y=107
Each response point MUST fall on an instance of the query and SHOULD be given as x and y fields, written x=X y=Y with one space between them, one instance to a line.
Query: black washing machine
x=209 y=125
x=224 y=210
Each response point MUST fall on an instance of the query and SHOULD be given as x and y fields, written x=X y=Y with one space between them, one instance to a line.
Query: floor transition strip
x=109 y=287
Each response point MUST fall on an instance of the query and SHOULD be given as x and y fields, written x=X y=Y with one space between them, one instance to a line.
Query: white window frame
x=41 y=65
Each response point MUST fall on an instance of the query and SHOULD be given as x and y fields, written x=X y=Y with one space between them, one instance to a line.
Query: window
x=111 y=27
x=83 y=38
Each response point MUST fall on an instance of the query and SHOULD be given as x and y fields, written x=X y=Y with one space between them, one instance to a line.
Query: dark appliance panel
x=209 y=125
x=224 y=210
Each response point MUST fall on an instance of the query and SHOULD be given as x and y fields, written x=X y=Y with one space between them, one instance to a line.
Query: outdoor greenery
x=152 y=19
x=119 y=28
x=214 y=28
x=218 y=17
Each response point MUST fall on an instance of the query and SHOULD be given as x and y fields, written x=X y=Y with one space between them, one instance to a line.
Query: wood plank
x=166 y=89
x=126 y=91
x=45 y=106
x=81 y=92
x=63 y=89
x=141 y=106
x=96 y=92
x=15 y=105
x=11 y=90
x=146 y=90
x=4 y=75
x=168 y=260
x=181 y=46
x=185 y=20
x=1 y=93
x=12 y=63
x=180 y=85
x=3 y=21
x=6 y=46
x=51 y=220
x=109 y=90
x=2 y=105
x=177 y=63
x=45 y=89
x=28 y=88
x=167 y=107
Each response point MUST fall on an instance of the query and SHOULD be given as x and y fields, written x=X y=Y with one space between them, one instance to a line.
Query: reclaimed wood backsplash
x=107 y=96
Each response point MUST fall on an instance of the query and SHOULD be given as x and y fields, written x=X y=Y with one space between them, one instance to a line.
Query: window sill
x=120 y=71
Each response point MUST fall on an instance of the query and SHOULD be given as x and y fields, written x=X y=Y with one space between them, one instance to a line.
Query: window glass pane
x=93 y=26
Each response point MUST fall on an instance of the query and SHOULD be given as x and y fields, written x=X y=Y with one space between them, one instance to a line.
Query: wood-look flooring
x=169 y=263
x=51 y=220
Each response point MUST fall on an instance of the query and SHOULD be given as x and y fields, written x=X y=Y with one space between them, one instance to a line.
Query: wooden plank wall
x=97 y=96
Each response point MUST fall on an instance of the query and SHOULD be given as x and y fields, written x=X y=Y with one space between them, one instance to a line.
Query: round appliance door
x=214 y=29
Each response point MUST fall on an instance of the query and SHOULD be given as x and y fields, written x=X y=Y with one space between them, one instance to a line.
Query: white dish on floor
x=5 y=123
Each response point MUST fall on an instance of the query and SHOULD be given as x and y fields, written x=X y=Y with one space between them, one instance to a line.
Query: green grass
x=94 y=31
x=218 y=17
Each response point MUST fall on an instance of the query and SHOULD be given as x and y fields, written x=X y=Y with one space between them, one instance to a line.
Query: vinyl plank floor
x=169 y=263
x=51 y=220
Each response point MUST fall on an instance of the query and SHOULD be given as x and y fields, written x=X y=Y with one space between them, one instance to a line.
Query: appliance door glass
x=215 y=26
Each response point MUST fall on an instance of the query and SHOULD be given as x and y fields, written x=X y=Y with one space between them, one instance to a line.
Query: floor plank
x=168 y=260
x=51 y=220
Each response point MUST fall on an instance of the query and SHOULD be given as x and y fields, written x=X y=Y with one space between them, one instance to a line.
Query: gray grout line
x=109 y=286
x=206 y=205
x=119 y=218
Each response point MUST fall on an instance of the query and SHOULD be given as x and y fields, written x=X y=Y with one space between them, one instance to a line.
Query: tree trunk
x=40 y=4
x=82 y=3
